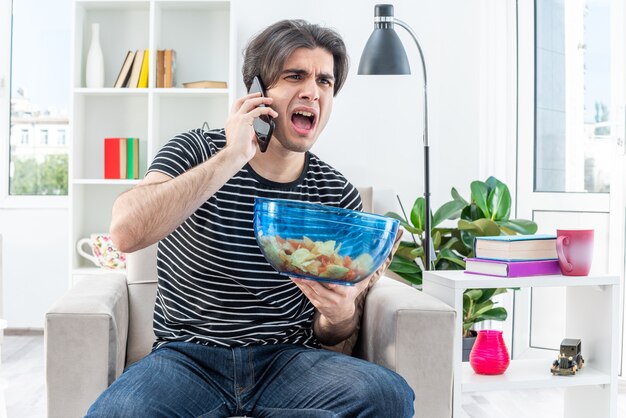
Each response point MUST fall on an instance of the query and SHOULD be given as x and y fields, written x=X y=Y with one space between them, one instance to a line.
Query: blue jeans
x=192 y=380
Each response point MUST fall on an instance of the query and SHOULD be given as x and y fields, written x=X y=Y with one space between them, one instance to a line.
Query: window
x=39 y=97
x=24 y=137
x=61 y=137
x=573 y=96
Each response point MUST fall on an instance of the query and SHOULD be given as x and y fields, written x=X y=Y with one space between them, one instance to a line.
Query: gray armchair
x=104 y=324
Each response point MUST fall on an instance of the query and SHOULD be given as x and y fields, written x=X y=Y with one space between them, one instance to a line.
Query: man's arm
x=159 y=204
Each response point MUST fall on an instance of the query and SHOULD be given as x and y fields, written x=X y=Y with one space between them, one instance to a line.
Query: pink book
x=511 y=268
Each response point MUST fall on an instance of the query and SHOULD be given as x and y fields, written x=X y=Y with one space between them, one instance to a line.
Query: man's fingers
x=258 y=111
x=254 y=102
x=240 y=101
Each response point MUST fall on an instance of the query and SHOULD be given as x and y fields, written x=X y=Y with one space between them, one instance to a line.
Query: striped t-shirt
x=215 y=286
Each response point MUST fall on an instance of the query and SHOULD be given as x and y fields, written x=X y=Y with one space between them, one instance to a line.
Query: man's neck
x=280 y=166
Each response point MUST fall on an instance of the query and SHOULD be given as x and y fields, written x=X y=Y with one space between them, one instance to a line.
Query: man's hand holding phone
x=240 y=134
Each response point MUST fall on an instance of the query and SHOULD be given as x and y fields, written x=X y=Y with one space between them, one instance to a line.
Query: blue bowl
x=321 y=242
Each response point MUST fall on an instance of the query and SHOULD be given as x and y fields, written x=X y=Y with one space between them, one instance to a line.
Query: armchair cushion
x=85 y=341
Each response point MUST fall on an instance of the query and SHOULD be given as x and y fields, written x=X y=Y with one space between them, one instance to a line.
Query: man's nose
x=310 y=90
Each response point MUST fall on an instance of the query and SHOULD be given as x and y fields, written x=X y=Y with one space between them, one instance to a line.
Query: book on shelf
x=143 y=74
x=205 y=84
x=111 y=158
x=516 y=247
x=169 y=68
x=160 y=68
x=132 y=156
x=133 y=81
x=121 y=158
x=123 y=75
x=511 y=268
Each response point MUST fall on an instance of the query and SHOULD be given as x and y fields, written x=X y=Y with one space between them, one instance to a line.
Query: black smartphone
x=263 y=125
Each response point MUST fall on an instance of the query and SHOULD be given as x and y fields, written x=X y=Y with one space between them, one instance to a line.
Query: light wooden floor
x=22 y=373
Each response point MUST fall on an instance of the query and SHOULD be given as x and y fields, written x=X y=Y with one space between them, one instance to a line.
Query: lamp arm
x=419 y=48
x=429 y=252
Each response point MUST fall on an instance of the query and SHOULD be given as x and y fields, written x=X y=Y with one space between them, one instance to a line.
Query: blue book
x=516 y=247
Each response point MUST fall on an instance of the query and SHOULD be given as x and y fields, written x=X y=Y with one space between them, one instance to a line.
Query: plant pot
x=489 y=355
x=468 y=343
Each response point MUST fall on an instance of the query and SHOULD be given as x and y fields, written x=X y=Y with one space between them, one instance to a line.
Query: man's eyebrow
x=300 y=71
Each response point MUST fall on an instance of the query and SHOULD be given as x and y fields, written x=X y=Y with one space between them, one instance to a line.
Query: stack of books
x=121 y=158
x=134 y=71
x=514 y=256
x=165 y=68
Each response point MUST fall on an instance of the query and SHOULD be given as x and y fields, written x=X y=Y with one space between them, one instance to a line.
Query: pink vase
x=489 y=355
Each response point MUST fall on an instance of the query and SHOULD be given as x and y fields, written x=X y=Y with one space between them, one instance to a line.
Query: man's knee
x=387 y=394
x=113 y=404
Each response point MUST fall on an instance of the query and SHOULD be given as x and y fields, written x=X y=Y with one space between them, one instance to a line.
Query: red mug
x=574 y=248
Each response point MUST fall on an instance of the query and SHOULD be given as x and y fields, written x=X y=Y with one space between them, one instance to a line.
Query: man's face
x=303 y=98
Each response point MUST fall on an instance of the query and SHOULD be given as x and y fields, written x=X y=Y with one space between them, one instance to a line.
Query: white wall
x=35 y=263
x=374 y=135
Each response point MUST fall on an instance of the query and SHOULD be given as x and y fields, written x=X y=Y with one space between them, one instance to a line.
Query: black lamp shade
x=384 y=54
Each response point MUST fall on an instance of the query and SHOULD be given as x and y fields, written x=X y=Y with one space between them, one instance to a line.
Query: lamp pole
x=384 y=54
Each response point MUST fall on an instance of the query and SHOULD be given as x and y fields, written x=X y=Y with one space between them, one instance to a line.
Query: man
x=233 y=336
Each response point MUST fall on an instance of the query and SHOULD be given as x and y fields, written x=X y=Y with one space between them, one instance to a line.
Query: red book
x=112 y=158
x=511 y=268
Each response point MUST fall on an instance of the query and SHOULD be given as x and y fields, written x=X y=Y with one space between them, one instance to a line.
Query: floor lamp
x=384 y=54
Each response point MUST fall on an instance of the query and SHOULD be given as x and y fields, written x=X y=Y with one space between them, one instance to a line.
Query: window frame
x=8 y=201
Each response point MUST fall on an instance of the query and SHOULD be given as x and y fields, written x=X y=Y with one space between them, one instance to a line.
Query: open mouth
x=303 y=121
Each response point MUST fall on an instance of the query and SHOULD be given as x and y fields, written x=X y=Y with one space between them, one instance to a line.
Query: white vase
x=94 y=71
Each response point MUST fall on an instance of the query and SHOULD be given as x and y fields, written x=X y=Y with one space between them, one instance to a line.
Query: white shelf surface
x=188 y=91
x=111 y=91
x=90 y=271
x=529 y=374
x=458 y=279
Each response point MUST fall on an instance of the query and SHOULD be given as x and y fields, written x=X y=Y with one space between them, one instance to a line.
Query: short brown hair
x=266 y=53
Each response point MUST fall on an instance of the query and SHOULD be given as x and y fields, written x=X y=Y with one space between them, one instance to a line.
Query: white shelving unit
x=592 y=312
x=201 y=33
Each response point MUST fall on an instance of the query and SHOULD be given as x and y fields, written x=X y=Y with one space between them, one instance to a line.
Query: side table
x=592 y=312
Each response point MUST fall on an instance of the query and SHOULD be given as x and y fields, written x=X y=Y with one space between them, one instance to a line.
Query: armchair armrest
x=411 y=333
x=85 y=343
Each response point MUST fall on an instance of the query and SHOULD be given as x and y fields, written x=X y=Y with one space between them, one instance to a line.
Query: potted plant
x=485 y=214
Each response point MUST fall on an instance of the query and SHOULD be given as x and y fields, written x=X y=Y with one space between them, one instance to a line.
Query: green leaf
x=480 y=193
x=499 y=202
x=464 y=225
x=401 y=265
x=404 y=223
x=521 y=226
x=491 y=182
x=406 y=252
x=473 y=294
x=472 y=212
x=437 y=239
x=483 y=308
x=449 y=210
x=456 y=196
x=450 y=243
x=487 y=294
x=417 y=214
x=412 y=278
x=480 y=227
x=496 y=314
x=449 y=255
x=501 y=290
